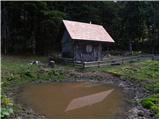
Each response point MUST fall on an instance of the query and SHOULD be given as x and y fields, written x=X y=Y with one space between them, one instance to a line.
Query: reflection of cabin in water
x=83 y=41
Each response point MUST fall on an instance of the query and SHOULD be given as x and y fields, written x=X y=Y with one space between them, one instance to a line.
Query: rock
x=19 y=117
x=133 y=113
x=121 y=84
x=140 y=113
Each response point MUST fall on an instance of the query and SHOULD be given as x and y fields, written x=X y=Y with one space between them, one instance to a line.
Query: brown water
x=74 y=100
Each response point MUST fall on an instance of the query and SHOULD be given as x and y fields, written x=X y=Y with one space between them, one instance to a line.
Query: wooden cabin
x=83 y=41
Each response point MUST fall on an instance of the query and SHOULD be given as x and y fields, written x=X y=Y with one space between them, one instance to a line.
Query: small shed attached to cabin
x=83 y=41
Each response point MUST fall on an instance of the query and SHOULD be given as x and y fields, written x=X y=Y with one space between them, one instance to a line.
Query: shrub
x=6 y=107
x=154 y=108
x=146 y=103
x=151 y=103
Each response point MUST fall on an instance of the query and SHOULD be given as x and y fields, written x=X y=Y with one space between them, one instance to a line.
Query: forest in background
x=35 y=27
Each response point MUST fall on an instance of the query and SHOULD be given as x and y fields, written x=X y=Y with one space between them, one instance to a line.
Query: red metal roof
x=87 y=31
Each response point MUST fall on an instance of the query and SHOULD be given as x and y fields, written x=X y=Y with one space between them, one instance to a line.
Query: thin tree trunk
x=33 y=43
x=34 y=37
x=5 y=30
x=130 y=47
x=152 y=42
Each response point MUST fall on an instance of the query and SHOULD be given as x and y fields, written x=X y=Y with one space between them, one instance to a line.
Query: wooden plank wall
x=80 y=53
x=67 y=45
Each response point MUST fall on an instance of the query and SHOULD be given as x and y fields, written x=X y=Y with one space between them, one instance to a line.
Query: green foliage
x=58 y=15
x=6 y=107
x=147 y=103
x=31 y=74
x=153 y=86
x=41 y=22
x=151 y=103
x=137 y=52
x=56 y=74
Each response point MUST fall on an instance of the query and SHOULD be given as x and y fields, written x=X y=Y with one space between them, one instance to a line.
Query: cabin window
x=89 y=48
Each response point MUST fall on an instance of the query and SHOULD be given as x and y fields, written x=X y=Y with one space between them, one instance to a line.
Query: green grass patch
x=17 y=71
x=146 y=70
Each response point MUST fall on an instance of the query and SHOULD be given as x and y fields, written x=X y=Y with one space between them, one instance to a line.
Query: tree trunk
x=5 y=30
x=152 y=39
x=33 y=43
x=34 y=36
x=130 y=47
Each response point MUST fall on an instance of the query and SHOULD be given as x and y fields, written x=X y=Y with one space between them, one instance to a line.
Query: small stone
x=19 y=118
x=141 y=113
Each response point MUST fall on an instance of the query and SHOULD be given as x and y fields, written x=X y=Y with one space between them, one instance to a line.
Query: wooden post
x=122 y=60
x=98 y=64
x=153 y=57
x=74 y=54
x=83 y=65
x=51 y=64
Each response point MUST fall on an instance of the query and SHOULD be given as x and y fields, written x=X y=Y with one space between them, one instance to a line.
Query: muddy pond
x=74 y=100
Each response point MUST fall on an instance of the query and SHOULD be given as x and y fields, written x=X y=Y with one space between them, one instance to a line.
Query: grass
x=16 y=71
x=145 y=72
